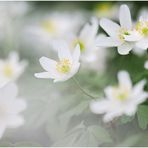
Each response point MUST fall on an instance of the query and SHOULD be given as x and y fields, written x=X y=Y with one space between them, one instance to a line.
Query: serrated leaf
x=142 y=115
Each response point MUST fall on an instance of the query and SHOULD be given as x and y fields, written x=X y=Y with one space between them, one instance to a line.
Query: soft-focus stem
x=84 y=91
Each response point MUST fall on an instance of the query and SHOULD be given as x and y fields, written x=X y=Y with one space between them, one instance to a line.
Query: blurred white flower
x=106 y=9
x=142 y=29
x=10 y=107
x=10 y=13
x=122 y=99
x=11 y=68
x=63 y=69
x=53 y=27
x=121 y=36
x=90 y=54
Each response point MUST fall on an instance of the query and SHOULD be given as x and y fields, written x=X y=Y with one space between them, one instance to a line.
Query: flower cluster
x=125 y=36
x=10 y=104
x=121 y=99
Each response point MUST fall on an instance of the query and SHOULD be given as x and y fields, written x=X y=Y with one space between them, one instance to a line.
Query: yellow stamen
x=49 y=26
x=63 y=66
x=80 y=42
x=120 y=93
x=122 y=33
x=142 y=28
x=8 y=71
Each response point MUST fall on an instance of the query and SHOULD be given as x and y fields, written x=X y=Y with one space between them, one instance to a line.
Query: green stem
x=84 y=91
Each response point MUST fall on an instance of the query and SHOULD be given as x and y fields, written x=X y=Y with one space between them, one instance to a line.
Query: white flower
x=90 y=54
x=11 y=68
x=122 y=36
x=106 y=9
x=10 y=107
x=52 y=27
x=122 y=99
x=65 y=68
x=11 y=16
x=142 y=29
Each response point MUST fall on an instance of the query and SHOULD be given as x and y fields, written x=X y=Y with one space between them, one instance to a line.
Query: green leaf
x=142 y=115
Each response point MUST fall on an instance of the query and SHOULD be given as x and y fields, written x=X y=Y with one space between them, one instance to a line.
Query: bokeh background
x=58 y=114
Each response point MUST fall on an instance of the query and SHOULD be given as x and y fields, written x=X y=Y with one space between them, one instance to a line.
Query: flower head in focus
x=122 y=99
x=90 y=54
x=121 y=36
x=11 y=68
x=65 y=68
x=10 y=107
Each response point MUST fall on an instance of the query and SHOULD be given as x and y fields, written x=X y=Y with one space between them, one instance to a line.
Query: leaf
x=142 y=115
x=82 y=135
x=100 y=133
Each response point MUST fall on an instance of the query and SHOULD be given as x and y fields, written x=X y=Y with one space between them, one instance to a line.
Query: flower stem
x=84 y=91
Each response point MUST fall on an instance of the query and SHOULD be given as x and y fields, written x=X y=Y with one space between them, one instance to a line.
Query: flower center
x=8 y=71
x=142 y=28
x=64 y=66
x=49 y=26
x=81 y=43
x=120 y=93
x=122 y=33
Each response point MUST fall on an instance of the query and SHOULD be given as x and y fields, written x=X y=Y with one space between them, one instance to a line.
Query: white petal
x=15 y=121
x=9 y=91
x=90 y=29
x=18 y=106
x=130 y=110
x=110 y=27
x=47 y=64
x=139 y=87
x=109 y=92
x=125 y=17
x=138 y=94
x=134 y=36
x=2 y=129
x=140 y=98
x=76 y=53
x=107 y=42
x=125 y=48
x=99 y=107
x=42 y=75
x=143 y=44
x=13 y=56
x=111 y=115
x=146 y=65
x=64 y=51
x=124 y=79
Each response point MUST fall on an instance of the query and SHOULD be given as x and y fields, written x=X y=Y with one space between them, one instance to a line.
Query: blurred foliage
x=58 y=114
